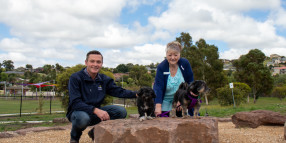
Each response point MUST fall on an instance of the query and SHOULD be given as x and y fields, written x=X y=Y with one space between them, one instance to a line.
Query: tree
x=137 y=72
x=3 y=76
x=145 y=80
x=204 y=59
x=59 y=68
x=280 y=92
x=122 y=68
x=28 y=66
x=47 y=68
x=250 y=70
x=280 y=80
x=8 y=65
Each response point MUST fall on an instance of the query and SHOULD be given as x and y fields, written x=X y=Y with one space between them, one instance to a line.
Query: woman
x=170 y=74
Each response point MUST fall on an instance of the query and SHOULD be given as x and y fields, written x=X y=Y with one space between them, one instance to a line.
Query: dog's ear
x=192 y=86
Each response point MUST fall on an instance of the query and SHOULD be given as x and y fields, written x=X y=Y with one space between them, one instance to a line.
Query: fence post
x=50 y=104
x=21 y=106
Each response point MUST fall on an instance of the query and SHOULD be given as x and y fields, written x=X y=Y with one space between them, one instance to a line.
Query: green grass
x=11 y=105
x=264 y=103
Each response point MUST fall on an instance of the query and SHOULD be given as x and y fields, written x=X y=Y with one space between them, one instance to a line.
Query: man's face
x=93 y=64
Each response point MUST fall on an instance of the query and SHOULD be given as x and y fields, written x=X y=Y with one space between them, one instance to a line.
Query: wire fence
x=22 y=105
x=17 y=105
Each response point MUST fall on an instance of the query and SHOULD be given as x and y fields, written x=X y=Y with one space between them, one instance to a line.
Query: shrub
x=279 y=92
x=240 y=92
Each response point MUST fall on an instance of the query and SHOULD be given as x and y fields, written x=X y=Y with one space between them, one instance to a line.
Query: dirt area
x=227 y=134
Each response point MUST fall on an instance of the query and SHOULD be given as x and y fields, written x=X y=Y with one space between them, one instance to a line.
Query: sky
x=40 y=32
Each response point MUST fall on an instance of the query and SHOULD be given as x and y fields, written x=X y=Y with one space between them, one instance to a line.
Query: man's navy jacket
x=85 y=94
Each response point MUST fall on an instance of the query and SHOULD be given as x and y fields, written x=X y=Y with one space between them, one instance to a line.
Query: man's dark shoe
x=91 y=134
x=73 y=141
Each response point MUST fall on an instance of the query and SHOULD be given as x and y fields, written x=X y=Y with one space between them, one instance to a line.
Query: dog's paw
x=149 y=118
x=142 y=118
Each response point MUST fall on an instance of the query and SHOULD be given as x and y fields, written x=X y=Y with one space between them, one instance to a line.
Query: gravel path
x=227 y=134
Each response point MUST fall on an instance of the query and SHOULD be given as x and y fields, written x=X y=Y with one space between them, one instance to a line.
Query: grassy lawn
x=10 y=105
x=263 y=103
x=213 y=109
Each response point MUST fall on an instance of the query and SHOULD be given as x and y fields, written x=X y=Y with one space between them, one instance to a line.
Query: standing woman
x=170 y=74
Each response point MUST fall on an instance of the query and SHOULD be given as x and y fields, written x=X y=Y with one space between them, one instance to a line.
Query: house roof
x=17 y=87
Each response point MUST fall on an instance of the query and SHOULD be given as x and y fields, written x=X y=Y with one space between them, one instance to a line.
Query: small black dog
x=188 y=96
x=145 y=103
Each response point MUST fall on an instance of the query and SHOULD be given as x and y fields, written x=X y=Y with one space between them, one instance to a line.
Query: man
x=87 y=89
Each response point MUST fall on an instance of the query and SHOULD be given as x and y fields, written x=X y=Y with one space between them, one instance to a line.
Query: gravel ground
x=227 y=134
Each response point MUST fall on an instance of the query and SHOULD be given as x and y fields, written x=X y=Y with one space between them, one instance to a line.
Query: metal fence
x=15 y=105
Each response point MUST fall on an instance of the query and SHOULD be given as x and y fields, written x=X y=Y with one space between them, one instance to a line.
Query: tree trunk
x=254 y=95
x=248 y=98
x=206 y=97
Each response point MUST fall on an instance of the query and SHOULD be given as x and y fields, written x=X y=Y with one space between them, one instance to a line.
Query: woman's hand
x=158 y=109
x=101 y=114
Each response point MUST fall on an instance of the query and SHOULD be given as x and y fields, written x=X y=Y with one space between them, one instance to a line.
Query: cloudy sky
x=40 y=32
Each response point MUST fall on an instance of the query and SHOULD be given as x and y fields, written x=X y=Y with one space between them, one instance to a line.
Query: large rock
x=285 y=131
x=256 y=118
x=159 y=130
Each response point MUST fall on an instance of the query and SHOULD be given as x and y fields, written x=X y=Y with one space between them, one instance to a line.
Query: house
x=14 y=72
x=118 y=76
x=17 y=90
x=279 y=70
x=274 y=56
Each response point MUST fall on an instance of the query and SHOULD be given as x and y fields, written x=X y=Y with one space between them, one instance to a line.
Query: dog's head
x=146 y=93
x=198 y=87
x=184 y=86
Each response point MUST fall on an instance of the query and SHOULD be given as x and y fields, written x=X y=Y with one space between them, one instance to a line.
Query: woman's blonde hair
x=175 y=45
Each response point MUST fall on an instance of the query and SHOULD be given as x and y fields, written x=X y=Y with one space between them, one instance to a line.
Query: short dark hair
x=93 y=52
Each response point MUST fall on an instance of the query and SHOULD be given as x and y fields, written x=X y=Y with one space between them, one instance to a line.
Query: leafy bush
x=240 y=92
x=279 y=92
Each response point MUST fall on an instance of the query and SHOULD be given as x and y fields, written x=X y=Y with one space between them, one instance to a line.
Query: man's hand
x=102 y=115
x=158 y=109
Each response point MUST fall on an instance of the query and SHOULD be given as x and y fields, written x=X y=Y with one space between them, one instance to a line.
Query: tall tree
x=250 y=70
x=47 y=68
x=137 y=72
x=122 y=68
x=204 y=59
x=29 y=66
x=8 y=65
x=59 y=68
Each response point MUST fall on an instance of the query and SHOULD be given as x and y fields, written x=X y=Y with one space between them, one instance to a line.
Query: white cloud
x=223 y=20
x=142 y=55
x=49 y=32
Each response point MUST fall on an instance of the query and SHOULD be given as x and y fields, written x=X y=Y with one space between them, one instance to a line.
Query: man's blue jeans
x=81 y=120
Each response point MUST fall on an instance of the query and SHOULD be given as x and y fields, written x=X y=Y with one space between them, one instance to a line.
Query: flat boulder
x=159 y=130
x=285 y=131
x=256 y=118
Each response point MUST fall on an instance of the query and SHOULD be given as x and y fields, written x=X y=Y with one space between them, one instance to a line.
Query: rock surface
x=159 y=130
x=256 y=118
x=285 y=131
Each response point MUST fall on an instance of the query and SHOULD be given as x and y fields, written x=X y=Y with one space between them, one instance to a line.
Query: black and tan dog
x=189 y=97
x=145 y=103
